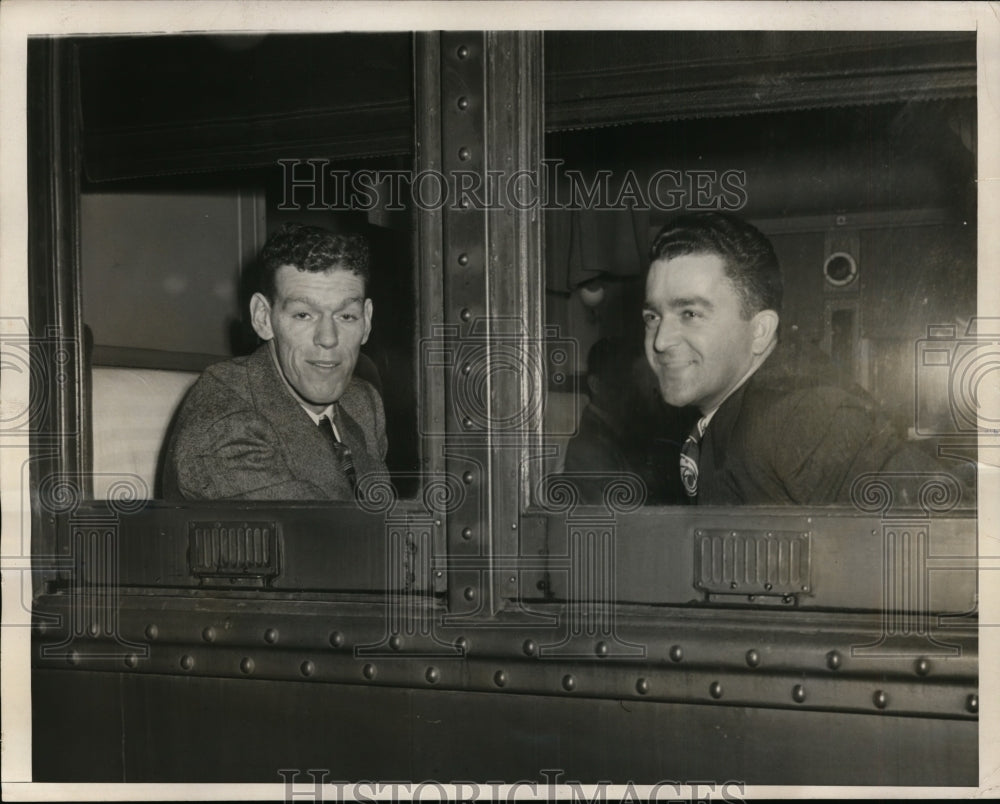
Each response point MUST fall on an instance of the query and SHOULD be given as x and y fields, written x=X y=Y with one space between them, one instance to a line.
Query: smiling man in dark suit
x=290 y=421
x=766 y=434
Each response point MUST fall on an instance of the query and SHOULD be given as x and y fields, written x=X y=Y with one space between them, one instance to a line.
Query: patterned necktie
x=340 y=450
x=690 y=452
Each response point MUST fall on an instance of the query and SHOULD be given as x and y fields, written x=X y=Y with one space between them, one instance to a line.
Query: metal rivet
x=433 y=675
x=463 y=259
x=94 y=629
x=187 y=662
x=464 y=154
x=529 y=647
x=500 y=678
x=676 y=654
x=462 y=644
x=466 y=314
x=469 y=593
x=307 y=668
x=466 y=533
x=152 y=632
x=247 y=665
x=972 y=703
x=208 y=634
x=733 y=584
x=753 y=657
x=463 y=52
x=833 y=660
x=463 y=103
x=642 y=686
x=788 y=599
x=768 y=587
x=880 y=699
x=131 y=660
x=715 y=690
x=922 y=666
x=369 y=671
x=466 y=368
x=467 y=423
x=395 y=642
x=601 y=649
x=798 y=693
x=336 y=639
x=467 y=478
x=558 y=376
x=73 y=658
x=569 y=683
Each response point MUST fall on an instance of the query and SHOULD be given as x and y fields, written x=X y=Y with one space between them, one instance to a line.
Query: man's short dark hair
x=749 y=258
x=314 y=249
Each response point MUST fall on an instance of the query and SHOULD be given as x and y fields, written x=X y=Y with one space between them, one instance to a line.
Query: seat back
x=132 y=410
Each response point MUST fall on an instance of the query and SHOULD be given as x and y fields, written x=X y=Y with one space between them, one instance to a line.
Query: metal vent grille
x=238 y=549
x=752 y=562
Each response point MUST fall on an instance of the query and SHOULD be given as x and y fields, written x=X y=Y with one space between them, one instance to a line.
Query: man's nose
x=326 y=333
x=666 y=335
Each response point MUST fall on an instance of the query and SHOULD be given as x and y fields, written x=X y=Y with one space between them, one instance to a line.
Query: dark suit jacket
x=240 y=434
x=785 y=440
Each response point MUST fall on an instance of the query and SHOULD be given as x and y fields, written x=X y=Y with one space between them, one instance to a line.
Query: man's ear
x=368 y=320
x=260 y=316
x=765 y=327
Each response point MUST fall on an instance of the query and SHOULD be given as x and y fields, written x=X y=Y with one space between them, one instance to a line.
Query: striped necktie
x=690 y=452
x=340 y=450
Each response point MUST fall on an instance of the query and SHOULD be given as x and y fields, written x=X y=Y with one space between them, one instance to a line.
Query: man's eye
x=301 y=316
x=649 y=318
x=348 y=317
x=689 y=314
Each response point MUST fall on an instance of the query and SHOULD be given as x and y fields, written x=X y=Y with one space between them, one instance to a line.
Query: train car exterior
x=476 y=620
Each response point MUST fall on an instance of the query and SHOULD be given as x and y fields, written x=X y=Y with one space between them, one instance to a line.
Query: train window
x=176 y=175
x=870 y=208
x=186 y=172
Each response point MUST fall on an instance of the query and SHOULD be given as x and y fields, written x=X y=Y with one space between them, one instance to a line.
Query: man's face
x=318 y=322
x=697 y=341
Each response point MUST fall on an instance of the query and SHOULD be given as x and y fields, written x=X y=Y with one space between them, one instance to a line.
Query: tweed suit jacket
x=240 y=434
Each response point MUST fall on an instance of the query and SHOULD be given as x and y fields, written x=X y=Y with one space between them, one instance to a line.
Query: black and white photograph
x=492 y=401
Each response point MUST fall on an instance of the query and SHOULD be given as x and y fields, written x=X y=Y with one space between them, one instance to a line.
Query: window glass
x=871 y=213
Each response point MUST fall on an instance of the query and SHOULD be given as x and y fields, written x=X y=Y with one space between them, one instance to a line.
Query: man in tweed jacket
x=257 y=427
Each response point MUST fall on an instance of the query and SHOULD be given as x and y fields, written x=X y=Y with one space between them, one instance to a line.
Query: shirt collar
x=316 y=417
x=706 y=418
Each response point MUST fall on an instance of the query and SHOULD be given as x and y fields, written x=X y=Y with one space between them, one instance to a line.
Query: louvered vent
x=237 y=549
x=752 y=562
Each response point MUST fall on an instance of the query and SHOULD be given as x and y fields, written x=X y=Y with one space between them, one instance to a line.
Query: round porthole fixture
x=840 y=269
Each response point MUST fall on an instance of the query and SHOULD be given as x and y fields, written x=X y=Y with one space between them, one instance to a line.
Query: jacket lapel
x=304 y=448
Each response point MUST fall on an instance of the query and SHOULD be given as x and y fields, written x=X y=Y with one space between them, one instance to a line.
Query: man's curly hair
x=314 y=249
